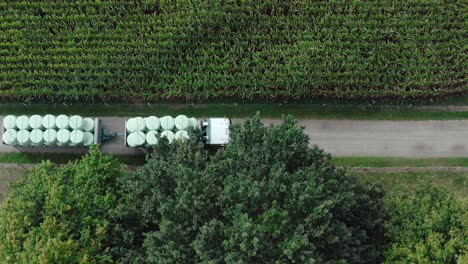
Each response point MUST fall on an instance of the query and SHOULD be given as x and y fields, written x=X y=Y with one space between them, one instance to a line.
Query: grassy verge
x=60 y=158
x=315 y=111
x=456 y=182
x=400 y=162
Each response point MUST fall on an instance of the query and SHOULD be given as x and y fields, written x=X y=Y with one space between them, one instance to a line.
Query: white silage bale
x=50 y=137
x=48 y=121
x=151 y=138
x=88 y=124
x=76 y=122
x=76 y=138
x=35 y=122
x=169 y=135
x=181 y=135
x=135 y=124
x=9 y=122
x=136 y=139
x=36 y=137
x=22 y=137
x=88 y=139
x=167 y=123
x=181 y=122
x=152 y=123
x=9 y=137
x=22 y=123
x=62 y=122
x=193 y=122
x=63 y=137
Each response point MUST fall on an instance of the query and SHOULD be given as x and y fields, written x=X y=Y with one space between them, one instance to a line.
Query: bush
x=61 y=214
x=429 y=226
x=272 y=49
x=265 y=198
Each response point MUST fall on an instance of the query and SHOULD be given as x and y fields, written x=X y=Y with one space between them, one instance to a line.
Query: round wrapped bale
x=182 y=122
x=76 y=122
x=169 y=135
x=9 y=137
x=9 y=122
x=48 y=121
x=181 y=135
x=151 y=138
x=88 y=124
x=193 y=122
x=50 y=137
x=35 y=122
x=167 y=123
x=76 y=138
x=36 y=137
x=88 y=139
x=136 y=139
x=135 y=124
x=62 y=122
x=22 y=137
x=22 y=123
x=63 y=137
x=152 y=123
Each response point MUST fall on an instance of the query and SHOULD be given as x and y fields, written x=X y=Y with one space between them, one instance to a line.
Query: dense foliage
x=265 y=198
x=245 y=49
x=61 y=214
x=430 y=226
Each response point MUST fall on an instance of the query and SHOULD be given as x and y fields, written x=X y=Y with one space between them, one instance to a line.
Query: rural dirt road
x=339 y=137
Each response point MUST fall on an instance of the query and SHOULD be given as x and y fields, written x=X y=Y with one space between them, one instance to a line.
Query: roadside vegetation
x=265 y=197
x=247 y=50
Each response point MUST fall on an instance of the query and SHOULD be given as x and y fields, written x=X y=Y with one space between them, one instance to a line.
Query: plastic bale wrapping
x=193 y=122
x=37 y=137
x=169 y=135
x=9 y=122
x=22 y=123
x=63 y=137
x=135 y=124
x=167 y=123
x=182 y=122
x=22 y=137
x=50 y=137
x=35 y=122
x=152 y=123
x=9 y=137
x=48 y=121
x=76 y=138
x=76 y=122
x=181 y=135
x=62 y=122
x=136 y=139
x=151 y=138
x=88 y=124
x=88 y=139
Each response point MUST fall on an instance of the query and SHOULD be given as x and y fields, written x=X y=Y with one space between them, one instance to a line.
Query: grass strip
x=455 y=182
x=399 y=162
x=313 y=111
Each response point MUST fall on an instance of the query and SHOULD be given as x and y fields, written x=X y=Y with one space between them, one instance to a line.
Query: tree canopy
x=265 y=198
x=429 y=226
x=61 y=214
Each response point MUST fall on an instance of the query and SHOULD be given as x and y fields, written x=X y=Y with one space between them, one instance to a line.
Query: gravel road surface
x=339 y=137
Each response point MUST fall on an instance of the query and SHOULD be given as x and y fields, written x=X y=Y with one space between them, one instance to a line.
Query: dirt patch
x=7 y=176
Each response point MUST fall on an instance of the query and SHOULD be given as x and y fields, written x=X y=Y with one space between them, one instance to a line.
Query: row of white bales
x=145 y=131
x=48 y=130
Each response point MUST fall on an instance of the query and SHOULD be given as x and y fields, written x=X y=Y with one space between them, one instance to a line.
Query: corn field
x=242 y=49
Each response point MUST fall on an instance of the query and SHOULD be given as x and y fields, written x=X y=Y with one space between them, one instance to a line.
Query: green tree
x=265 y=198
x=429 y=226
x=61 y=214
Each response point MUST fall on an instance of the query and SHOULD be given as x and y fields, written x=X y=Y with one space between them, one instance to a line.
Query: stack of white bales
x=48 y=130
x=147 y=131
